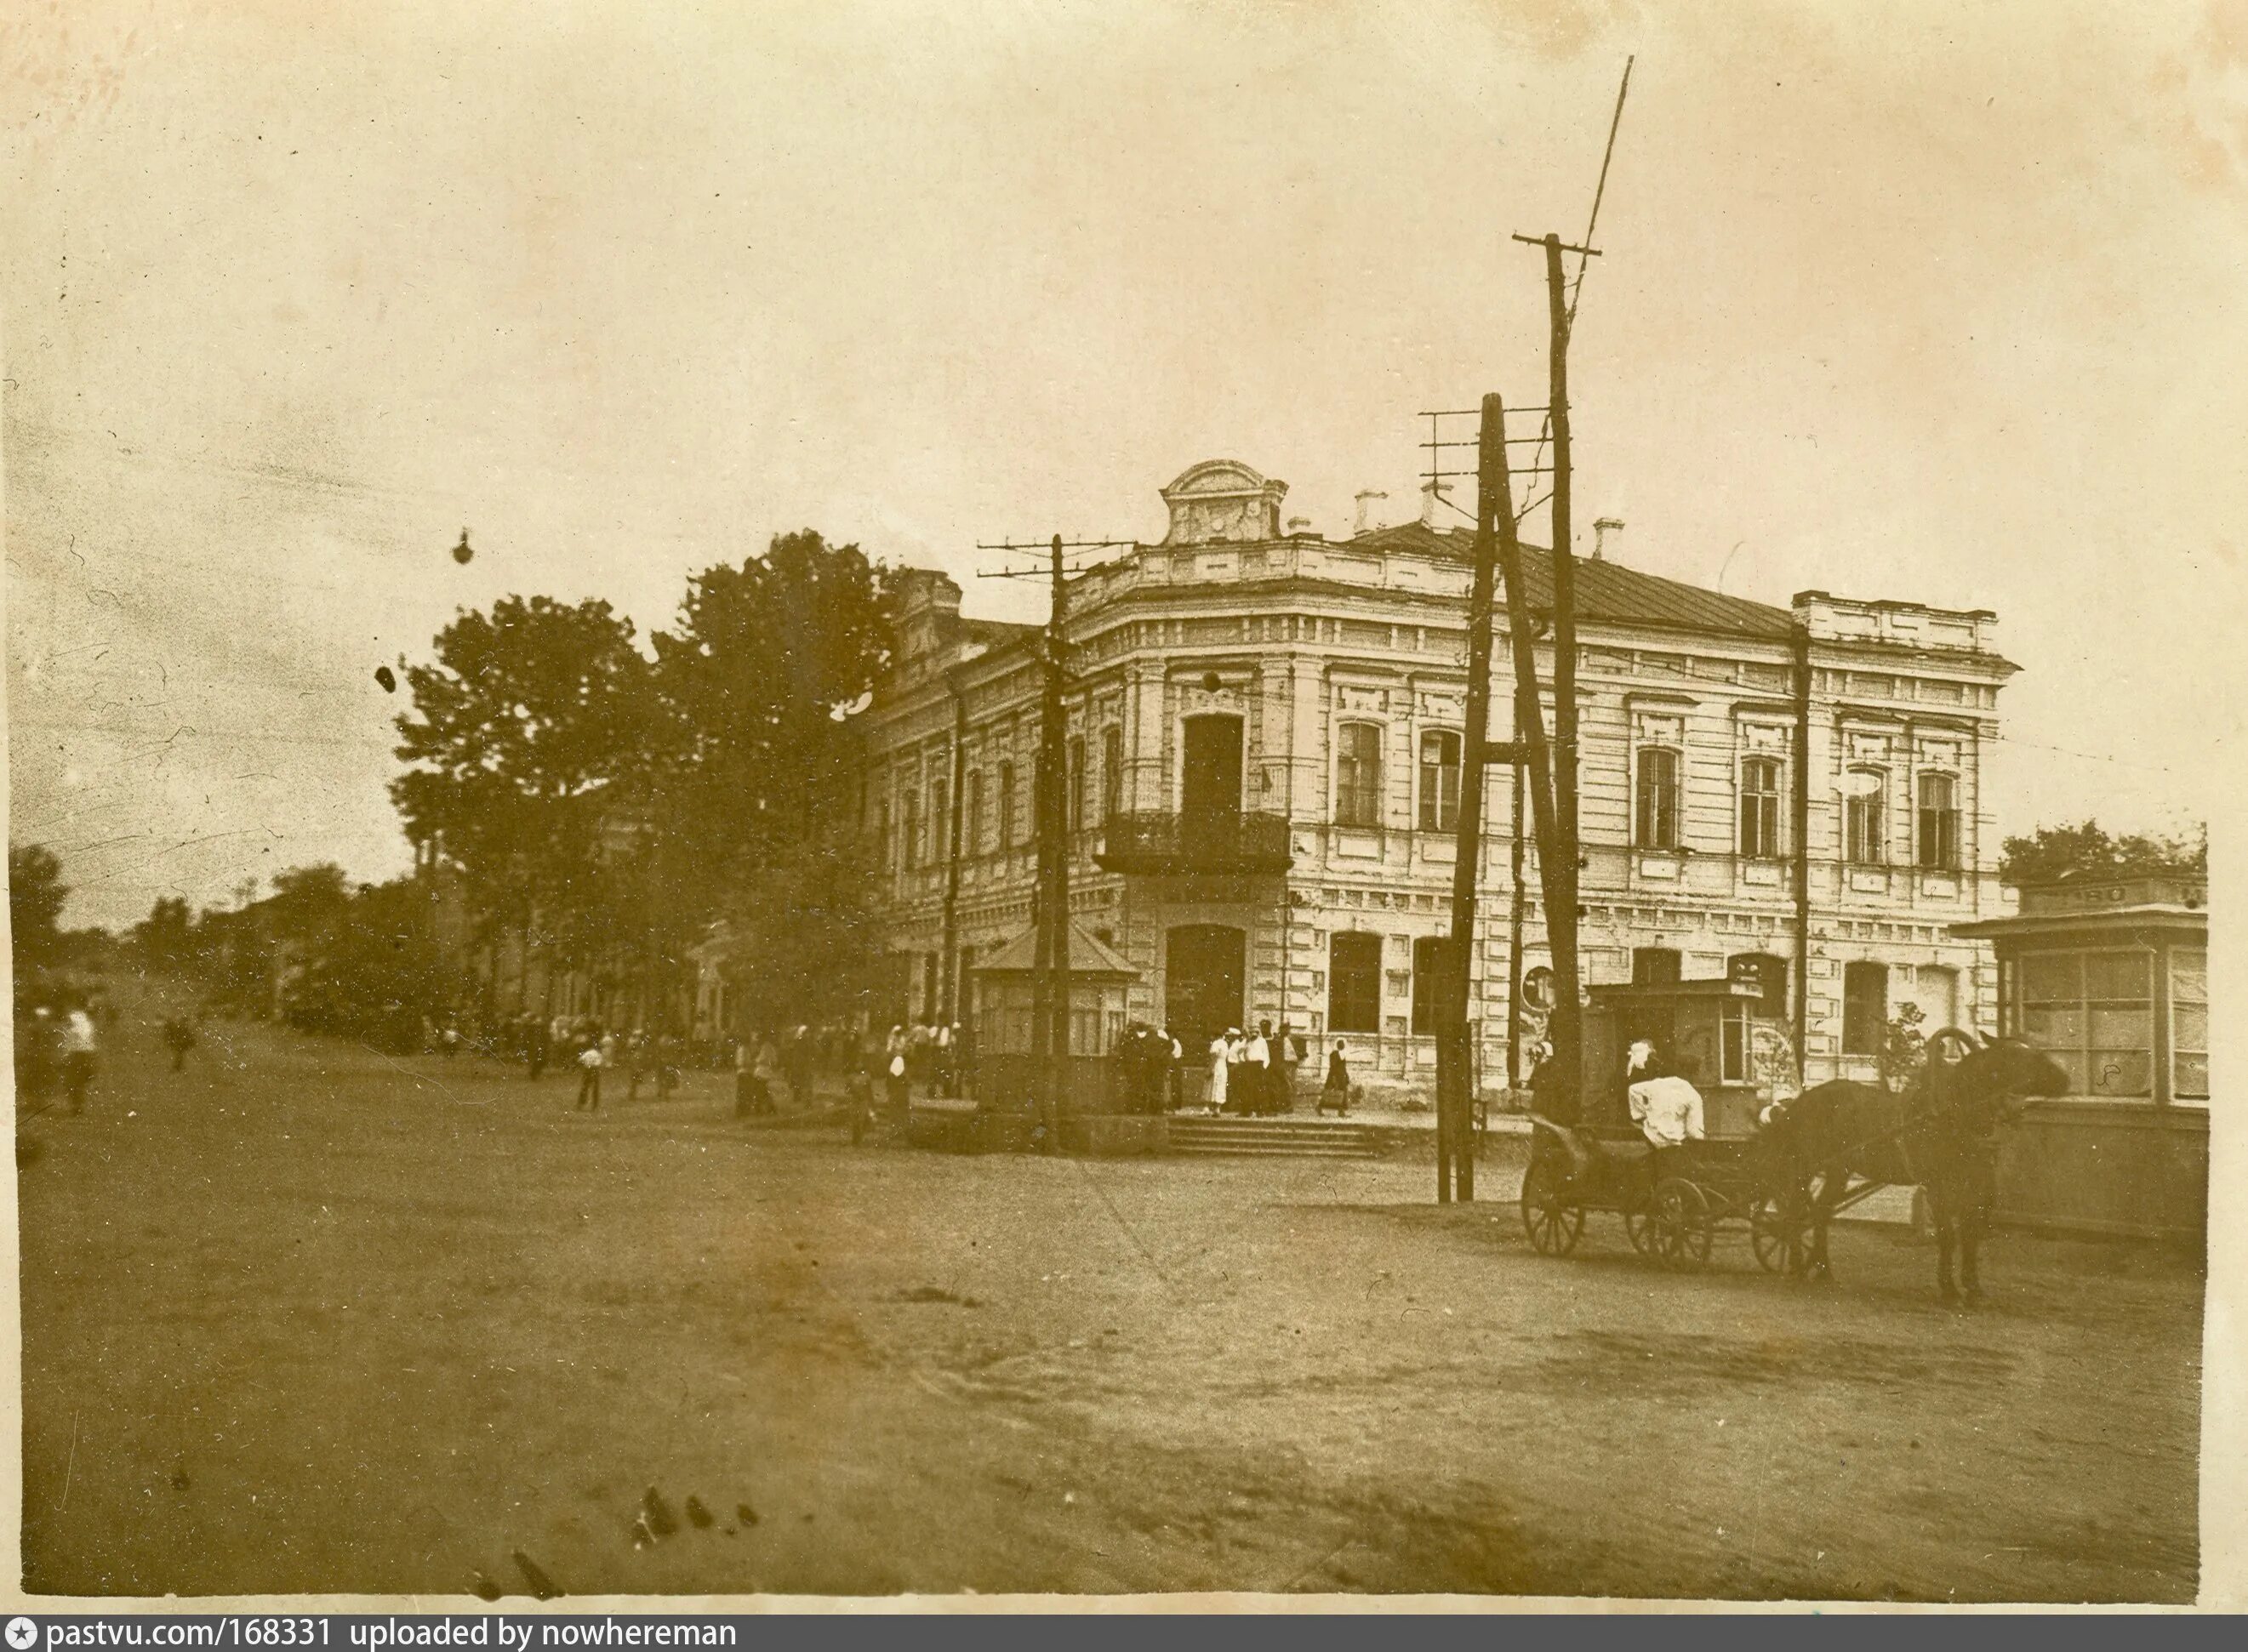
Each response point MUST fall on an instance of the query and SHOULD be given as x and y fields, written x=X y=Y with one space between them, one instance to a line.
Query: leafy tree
x=36 y=894
x=761 y=677
x=166 y=937
x=534 y=738
x=376 y=975
x=2087 y=847
x=1904 y=1048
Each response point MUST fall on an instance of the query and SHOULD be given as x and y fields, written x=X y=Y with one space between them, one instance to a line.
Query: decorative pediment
x=1222 y=501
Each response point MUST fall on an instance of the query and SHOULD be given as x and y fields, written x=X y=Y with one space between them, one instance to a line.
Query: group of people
x=1255 y=1074
x=55 y=1047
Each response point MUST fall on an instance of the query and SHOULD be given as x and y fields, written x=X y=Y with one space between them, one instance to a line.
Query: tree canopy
x=36 y=894
x=2057 y=851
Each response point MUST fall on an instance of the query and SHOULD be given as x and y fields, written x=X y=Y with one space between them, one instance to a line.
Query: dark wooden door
x=1205 y=973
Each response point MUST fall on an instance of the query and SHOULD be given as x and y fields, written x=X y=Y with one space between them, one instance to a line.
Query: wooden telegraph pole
x=1454 y=1054
x=1050 y=995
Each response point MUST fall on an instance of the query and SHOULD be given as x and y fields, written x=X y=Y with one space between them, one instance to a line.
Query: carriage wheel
x=1682 y=1227
x=1777 y=1232
x=1551 y=1221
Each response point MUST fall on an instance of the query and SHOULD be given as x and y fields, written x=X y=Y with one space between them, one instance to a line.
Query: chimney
x=1432 y=494
x=1299 y=525
x=1601 y=529
x=1366 y=498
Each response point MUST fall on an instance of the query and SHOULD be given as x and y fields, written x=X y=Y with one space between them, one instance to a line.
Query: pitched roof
x=1088 y=956
x=1606 y=590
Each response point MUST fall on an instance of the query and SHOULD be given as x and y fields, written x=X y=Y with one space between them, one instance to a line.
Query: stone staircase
x=1293 y=1138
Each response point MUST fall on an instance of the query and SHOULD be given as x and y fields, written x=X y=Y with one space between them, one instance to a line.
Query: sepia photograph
x=714 y=894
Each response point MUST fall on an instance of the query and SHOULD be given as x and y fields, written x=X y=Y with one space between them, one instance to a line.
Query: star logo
x=23 y=1633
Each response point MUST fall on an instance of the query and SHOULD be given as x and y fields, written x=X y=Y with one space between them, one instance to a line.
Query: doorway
x=1210 y=791
x=1204 y=972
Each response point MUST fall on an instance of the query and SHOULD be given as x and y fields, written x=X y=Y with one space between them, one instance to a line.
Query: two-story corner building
x=1263 y=781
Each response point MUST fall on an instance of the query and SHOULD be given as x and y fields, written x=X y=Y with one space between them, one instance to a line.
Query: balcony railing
x=1166 y=845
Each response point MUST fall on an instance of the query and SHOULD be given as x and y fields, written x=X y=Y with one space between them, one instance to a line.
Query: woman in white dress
x=1220 y=1053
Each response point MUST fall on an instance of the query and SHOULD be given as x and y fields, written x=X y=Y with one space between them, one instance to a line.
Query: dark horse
x=1940 y=1135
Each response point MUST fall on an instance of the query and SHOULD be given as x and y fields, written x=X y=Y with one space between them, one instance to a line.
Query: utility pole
x=1455 y=1062
x=1561 y=908
x=1050 y=993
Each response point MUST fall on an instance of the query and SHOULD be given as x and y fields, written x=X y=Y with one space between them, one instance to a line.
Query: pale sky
x=1898 y=300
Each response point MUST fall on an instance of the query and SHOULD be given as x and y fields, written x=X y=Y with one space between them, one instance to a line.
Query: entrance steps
x=1294 y=1138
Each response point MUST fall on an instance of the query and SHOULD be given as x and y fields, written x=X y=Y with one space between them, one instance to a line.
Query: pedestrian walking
x=590 y=1062
x=1336 y=1092
x=78 y=1042
x=179 y=1038
x=535 y=1048
x=900 y=1087
x=1257 y=1056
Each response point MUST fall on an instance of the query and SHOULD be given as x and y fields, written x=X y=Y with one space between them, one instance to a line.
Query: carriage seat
x=1668 y=1111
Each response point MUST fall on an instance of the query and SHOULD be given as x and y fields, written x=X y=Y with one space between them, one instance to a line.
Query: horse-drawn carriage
x=1691 y=1176
x=1680 y=1180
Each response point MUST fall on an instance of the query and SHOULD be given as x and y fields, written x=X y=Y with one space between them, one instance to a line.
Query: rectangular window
x=1865 y=819
x=1440 y=781
x=1358 y=776
x=2093 y=1013
x=1653 y=967
x=1760 y=808
x=1077 y=784
x=1112 y=773
x=1939 y=822
x=1006 y=806
x=1733 y=1043
x=913 y=830
x=2190 y=1024
x=973 y=829
x=1355 y=983
x=1655 y=819
x=1431 y=955
x=1865 y=1007
x=940 y=820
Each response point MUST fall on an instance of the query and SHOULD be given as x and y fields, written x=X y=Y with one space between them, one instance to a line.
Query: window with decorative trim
x=1760 y=808
x=1440 y=780
x=972 y=828
x=1431 y=955
x=1866 y=817
x=1077 y=783
x=1006 y=806
x=1358 y=779
x=1655 y=818
x=940 y=820
x=912 y=834
x=1939 y=822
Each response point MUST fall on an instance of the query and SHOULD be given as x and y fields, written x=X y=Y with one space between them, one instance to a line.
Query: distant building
x=1263 y=781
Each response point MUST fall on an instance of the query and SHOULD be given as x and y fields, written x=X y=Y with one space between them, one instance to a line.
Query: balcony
x=1165 y=845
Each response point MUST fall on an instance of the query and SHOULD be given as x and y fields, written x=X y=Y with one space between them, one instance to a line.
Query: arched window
x=1655 y=817
x=1440 y=780
x=1358 y=775
x=1006 y=806
x=1866 y=818
x=1939 y=822
x=1760 y=808
x=1112 y=773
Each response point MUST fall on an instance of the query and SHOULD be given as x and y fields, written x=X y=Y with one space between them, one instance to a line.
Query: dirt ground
x=308 y=1319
